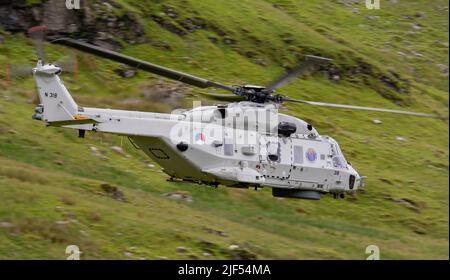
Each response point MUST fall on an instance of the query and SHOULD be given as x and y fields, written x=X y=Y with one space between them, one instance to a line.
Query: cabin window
x=298 y=155
x=220 y=113
x=337 y=156
x=273 y=151
x=273 y=157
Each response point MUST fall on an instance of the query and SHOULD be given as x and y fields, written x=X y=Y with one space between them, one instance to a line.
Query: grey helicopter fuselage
x=249 y=144
x=245 y=144
x=241 y=144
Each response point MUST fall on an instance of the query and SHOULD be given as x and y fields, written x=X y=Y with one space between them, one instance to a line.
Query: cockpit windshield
x=337 y=156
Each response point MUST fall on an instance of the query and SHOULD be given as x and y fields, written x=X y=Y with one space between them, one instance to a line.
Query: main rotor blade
x=302 y=68
x=141 y=64
x=225 y=97
x=360 y=108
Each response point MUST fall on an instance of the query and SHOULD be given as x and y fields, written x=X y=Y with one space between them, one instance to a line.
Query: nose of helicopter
x=356 y=180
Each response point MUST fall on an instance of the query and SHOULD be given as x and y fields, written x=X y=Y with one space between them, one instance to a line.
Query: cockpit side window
x=337 y=156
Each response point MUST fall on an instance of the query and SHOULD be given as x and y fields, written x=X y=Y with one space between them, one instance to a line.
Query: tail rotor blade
x=18 y=71
x=37 y=33
x=68 y=63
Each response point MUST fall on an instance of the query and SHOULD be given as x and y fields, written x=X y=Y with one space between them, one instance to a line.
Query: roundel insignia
x=311 y=154
x=200 y=137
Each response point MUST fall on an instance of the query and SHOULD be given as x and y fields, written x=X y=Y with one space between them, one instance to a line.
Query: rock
x=335 y=77
x=192 y=257
x=168 y=93
x=213 y=39
x=125 y=72
x=408 y=17
x=58 y=162
x=207 y=246
x=168 y=25
x=150 y=165
x=172 y=14
x=118 y=150
x=181 y=249
x=62 y=222
x=387 y=181
x=406 y=201
x=169 y=12
x=69 y=215
x=260 y=61
x=375 y=121
x=127 y=254
x=239 y=253
x=179 y=196
x=216 y=232
x=443 y=44
x=412 y=205
x=417 y=27
x=419 y=15
x=113 y=192
x=228 y=41
x=94 y=217
x=372 y=17
x=192 y=24
x=6 y=225
x=419 y=231
x=206 y=254
x=93 y=149
x=96 y=152
x=443 y=68
x=416 y=54
x=57 y=17
x=67 y=200
x=400 y=138
x=108 y=44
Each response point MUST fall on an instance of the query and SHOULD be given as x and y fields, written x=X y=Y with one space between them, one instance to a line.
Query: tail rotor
x=68 y=63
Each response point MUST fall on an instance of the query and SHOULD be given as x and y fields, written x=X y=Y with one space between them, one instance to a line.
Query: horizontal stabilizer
x=72 y=122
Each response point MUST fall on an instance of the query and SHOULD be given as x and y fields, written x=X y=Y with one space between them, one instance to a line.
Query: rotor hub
x=257 y=94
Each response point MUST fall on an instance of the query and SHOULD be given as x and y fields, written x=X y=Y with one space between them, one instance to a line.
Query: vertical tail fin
x=58 y=104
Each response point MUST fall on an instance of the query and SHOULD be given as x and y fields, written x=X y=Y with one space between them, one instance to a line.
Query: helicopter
x=246 y=144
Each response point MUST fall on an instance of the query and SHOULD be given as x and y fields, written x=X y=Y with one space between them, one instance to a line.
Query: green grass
x=50 y=182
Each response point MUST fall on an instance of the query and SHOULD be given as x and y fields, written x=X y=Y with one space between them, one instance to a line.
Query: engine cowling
x=286 y=129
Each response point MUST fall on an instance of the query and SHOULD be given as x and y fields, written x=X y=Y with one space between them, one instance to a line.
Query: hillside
x=114 y=203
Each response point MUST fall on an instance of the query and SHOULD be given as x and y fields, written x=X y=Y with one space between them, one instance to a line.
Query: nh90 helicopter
x=242 y=144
